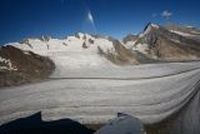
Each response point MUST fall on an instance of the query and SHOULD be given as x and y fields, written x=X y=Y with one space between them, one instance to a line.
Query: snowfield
x=150 y=92
x=69 y=53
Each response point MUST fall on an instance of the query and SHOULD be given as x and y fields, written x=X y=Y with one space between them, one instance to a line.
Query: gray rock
x=123 y=124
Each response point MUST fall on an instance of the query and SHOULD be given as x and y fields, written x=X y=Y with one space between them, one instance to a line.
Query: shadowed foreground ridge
x=34 y=125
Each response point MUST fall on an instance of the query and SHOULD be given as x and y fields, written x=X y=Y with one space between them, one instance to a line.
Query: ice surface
x=149 y=92
x=90 y=89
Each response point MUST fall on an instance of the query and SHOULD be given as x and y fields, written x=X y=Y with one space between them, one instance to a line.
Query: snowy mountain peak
x=83 y=36
x=148 y=28
x=45 y=38
x=154 y=25
x=84 y=50
x=79 y=51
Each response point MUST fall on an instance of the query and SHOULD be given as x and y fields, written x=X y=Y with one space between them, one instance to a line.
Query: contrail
x=91 y=19
x=90 y=16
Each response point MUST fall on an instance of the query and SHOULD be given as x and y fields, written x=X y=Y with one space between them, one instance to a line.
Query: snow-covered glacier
x=90 y=89
x=150 y=92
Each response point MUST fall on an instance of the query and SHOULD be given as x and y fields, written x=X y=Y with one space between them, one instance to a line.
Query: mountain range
x=36 y=58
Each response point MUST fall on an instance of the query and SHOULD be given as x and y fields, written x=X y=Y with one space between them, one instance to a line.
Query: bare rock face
x=18 y=66
x=166 y=45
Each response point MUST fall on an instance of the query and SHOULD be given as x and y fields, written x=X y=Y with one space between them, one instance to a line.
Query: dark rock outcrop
x=169 y=46
x=22 y=66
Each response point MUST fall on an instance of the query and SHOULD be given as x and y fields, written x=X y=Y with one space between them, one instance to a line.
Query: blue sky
x=58 y=18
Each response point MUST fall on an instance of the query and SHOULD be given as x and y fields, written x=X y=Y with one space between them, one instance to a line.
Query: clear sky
x=58 y=18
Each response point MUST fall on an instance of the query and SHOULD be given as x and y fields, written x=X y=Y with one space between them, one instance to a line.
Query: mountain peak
x=83 y=36
x=148 y=28
x=153 y=25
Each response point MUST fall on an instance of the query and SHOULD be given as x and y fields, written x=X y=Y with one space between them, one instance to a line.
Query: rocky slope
x=186 y=31
x=17 y=66
x=162 y=44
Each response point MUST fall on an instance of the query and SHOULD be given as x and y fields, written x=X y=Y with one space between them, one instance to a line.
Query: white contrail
x=91 y=19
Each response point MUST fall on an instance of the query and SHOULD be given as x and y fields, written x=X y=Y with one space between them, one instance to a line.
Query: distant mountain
x=91 y=48
x=164 y=44
x=83 y=51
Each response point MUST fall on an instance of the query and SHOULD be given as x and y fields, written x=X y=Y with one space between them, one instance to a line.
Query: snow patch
x=182 y=33
x=143 y=48
x=155 y=26
x=130 y=44
x=6 y=64
x=190 y=26
x=176 y=41
x=26 y=52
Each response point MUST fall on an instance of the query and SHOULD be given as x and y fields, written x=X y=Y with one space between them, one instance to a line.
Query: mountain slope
x=159 y=43
x=81 y=50
x=186 y=31
x=17 y=66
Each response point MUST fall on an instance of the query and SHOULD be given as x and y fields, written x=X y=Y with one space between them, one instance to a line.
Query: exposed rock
x=91 y=41
x=84 y=45
x=22 y=66
x=168 y=46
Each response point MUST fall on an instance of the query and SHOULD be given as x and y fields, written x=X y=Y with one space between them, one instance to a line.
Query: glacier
x=150 y=92
x=90 y=89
